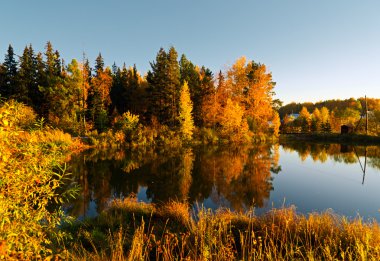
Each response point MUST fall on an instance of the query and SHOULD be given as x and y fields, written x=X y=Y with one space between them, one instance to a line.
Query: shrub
x=29 y=185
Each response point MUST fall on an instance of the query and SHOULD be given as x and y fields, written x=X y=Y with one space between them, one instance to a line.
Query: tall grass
x=138 y=231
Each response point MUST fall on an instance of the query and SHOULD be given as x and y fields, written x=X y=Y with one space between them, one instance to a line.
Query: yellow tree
x=211 y=109
x=99 y=98
x=325 y=115
x=325 y=120
x=276 y=122
x=304 y=119
x=213 y=103
x=251 y=86
x=185 y=113
x=315 y=120
x=259 y=96
x=234 y=126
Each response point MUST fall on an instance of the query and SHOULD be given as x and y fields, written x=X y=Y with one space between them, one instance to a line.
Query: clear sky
x=316 y=50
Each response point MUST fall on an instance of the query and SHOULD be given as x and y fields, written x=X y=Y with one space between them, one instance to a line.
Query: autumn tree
x=214 y=102
x=191 y=74
x=325 y=120
x=76 y=94
x=286 y=124
x=315 y=123
x=99 y=95
x=276 y=123
x=185 y=113
x=303 y=120
x=251 y=85
x=234 y=126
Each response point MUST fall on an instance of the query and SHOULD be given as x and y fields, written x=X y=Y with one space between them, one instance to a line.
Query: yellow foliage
x=185 y=113
x=28 y=185
x=234 y=126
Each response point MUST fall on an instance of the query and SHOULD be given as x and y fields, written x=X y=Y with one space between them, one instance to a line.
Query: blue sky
x=316 y=50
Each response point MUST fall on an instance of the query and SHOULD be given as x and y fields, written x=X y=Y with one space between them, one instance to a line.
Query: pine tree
x=116 y=92
x=2 y=80
x=9 y=85
x=158 y=104
x=173 y=85
x=50 y=60
x=37 y=96
x=185 y=113
x=27 y=76
x=99 y=64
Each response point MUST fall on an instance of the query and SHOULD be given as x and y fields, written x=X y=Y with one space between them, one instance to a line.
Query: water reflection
x=313 y=177
x=236 y=178
x=342 y=153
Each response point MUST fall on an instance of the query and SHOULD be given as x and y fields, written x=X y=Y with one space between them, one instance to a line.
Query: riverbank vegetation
x=129 y=230
x=32 y=179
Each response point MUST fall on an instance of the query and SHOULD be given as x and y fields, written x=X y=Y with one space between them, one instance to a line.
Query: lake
x=310 y=176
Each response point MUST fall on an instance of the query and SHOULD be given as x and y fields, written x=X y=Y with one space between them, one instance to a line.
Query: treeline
x=236 y=104
x=330 y=115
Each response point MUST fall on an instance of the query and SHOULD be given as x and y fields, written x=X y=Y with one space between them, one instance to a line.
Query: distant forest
x=330 y=115
x=236 y=103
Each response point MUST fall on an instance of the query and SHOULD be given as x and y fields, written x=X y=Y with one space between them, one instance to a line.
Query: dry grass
x=172 y=234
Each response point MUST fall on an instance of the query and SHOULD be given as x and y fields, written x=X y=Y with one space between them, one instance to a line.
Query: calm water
x=313 y=177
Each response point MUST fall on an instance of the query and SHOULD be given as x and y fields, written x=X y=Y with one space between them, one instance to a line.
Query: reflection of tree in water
x=347 y=154
x=241 y=175
x=237 y=176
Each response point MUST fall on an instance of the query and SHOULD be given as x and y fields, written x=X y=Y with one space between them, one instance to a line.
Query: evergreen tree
x=116 y=92
x=124 y=92
x=37 y=96
x=2 y=80
x=27 y=76
x=50 y=65
x=173 y=85
x=58 y=64
x=158 y=103
x=99 y=64
x=9 y=83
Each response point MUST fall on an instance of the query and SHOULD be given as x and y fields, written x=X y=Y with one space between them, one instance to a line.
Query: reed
x=139 y=231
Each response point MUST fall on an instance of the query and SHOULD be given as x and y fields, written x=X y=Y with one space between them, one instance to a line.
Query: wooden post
x=366 y=116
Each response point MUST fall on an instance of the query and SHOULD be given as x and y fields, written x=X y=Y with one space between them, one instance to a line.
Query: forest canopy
x=174 y=93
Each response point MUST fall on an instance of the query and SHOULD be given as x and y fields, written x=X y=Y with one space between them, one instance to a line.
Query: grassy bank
x=129 y=230
x=359 y=139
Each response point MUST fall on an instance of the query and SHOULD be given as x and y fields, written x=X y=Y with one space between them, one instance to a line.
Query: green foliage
x=127 y=124
x=164 y=86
